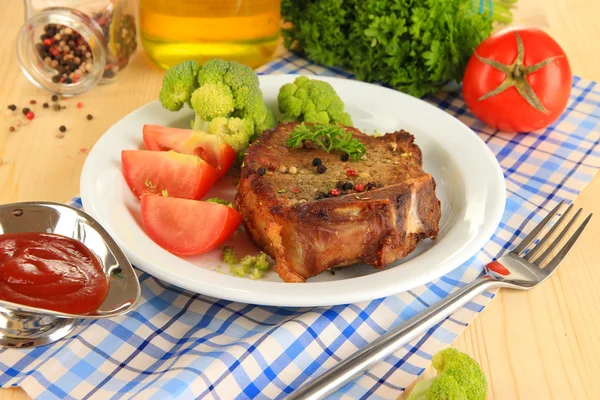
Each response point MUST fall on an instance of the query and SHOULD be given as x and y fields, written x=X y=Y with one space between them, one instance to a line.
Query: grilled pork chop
x=386 y=204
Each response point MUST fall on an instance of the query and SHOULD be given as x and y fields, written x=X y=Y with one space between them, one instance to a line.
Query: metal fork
x=519 y=269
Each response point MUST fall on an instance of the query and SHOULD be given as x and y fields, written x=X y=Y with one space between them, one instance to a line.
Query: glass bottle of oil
x=177 y=30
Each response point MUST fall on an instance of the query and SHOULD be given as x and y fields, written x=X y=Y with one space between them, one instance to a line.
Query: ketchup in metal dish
x=50 y=271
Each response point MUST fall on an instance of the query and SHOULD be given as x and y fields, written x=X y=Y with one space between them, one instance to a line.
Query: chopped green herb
x=219 y=201
x=164 y=193
x=329 y=137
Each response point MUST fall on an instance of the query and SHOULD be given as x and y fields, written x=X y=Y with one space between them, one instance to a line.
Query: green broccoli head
x=459 y=378
x=225 y=95
x=178 y=84
x=313 y=101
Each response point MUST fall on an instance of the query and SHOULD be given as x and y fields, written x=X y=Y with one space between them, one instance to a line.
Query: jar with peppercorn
x=69 y=46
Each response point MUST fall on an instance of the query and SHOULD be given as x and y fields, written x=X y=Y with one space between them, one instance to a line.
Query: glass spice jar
x=69 y=46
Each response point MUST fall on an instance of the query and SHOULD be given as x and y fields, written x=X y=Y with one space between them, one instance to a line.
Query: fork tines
x=536 y=234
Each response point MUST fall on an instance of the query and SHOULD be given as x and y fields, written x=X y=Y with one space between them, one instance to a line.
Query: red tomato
x=543 y=67
x=181 y=175
x=208 y=147
x=187 y=227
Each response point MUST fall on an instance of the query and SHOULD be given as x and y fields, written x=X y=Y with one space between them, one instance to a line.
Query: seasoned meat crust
x=290 y=211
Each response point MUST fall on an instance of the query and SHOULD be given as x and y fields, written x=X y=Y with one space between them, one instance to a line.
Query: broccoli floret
x=238 y=270
x=261 y=263
x=263 y=119
x=178 y=84
x=247 y=262
x=211 y=101
x=254 y=266
x=226 y=98
x=241 y=110
x=459 y=378
x=236 y=132
x=229 y=256
x=313 y=101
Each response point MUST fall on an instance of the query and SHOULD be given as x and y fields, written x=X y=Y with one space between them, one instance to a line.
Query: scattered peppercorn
x=344 y=156
x=321 y=169
x=348 y=186
x=359 y=187
x=54 y=97
x=25 y=111
x=12 y=107
x=350 y=172
x=62 y=128
x=316 y=162
x=11 y=128
x=339 y=184
x=56 y=107
x=321 y=195
x=261 y=171
x=32 y=102
x=90 y=117
x=30 y=115
x=334 y=192
x=45 y=105
x=371 y=185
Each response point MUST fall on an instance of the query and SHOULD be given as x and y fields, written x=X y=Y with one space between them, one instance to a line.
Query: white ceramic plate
x=470 y=186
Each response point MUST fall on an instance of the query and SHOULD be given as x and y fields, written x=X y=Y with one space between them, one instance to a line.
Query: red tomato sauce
x=50 y=271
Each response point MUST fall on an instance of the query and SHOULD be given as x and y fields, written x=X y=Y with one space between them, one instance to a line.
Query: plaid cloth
x=186 y=345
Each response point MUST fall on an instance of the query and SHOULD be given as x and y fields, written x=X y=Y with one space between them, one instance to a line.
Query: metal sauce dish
x=24 y=326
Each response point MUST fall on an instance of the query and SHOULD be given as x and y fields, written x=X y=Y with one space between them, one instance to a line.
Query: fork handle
x=390 y=342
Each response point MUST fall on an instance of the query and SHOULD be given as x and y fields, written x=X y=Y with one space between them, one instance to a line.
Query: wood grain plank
x=539 y=344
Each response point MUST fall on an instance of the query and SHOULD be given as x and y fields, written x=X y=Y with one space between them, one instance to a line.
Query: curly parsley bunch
x=414 y=46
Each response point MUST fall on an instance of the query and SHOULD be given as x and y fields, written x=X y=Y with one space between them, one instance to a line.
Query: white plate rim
x=310 y=294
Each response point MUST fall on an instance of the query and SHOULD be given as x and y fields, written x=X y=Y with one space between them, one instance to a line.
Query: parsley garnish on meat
x=329 y=137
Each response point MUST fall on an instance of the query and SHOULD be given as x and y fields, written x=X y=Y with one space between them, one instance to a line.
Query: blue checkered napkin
x=181 y=344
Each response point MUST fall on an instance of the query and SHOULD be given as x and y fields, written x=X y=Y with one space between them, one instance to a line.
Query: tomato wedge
x=186 y=227
x=180 y=175
x=208 y=147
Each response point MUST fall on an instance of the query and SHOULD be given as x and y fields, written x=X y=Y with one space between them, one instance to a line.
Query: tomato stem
x=516 y=76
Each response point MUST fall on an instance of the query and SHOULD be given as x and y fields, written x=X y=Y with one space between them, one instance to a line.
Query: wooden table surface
x=541 y=344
